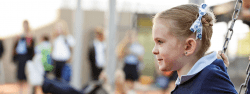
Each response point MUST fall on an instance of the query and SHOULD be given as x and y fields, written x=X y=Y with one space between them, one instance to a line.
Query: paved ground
x=15 y=88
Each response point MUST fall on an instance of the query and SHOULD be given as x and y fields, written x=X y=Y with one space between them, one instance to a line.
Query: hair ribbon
x=197 y=25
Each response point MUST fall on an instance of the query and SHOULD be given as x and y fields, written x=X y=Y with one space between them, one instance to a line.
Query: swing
x=229 y=36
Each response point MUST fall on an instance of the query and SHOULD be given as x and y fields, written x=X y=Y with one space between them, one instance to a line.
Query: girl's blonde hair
x=182 y=17
x=64 y=27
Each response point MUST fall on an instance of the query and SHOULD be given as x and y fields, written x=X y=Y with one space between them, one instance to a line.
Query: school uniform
x=132 y=61
x=207 y=76
x=62 y=52
x=23 y=53
x=97 y=58
x=44 y=49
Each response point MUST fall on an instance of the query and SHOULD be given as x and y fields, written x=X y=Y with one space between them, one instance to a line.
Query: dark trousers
x=22 y=59
x=131 y=72
x=96 y=73
x=58 y=68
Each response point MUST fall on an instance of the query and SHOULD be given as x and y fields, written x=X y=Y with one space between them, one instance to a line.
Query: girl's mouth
x=160 y=59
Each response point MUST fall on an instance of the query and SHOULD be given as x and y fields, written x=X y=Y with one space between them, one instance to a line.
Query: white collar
x=198 y=66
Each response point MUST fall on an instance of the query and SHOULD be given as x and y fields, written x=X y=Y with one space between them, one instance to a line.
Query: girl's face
x=100 y=36
x=25 y=26
x=168 y=49
x=59 y=29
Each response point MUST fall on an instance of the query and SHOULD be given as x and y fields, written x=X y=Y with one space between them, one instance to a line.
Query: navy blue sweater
x=213 y=79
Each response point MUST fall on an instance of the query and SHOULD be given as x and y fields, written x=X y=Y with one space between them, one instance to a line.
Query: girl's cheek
x=160 y=51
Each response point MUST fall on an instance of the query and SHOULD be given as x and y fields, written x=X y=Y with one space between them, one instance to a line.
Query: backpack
x=66 y=72
x=21 y=47
x=47 y=60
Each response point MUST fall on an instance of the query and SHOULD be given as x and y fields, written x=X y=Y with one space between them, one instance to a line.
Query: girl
x=61 y=47
x=182 y=35
x=97 y=53
x=131 y=52
x=23 y=51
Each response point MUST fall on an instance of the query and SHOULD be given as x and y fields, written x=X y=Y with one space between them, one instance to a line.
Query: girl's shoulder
x=216 y=79
x=215 y=69
x=217 y=65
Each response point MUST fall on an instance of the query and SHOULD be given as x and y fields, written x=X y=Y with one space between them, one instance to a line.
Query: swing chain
x=229 y=34
x=245 y=84
x=234 y=18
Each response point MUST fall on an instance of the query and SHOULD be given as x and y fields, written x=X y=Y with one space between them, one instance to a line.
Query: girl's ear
x=190 y=46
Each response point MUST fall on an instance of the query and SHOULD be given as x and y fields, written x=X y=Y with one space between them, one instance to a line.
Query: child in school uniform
x=182 y=35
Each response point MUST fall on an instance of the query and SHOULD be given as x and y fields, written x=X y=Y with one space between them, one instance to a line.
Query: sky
x=42 y=12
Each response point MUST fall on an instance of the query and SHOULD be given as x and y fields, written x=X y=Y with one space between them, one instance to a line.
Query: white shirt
x=41 y=46
x=136 y=50
x=61 y=47
x=99 y=53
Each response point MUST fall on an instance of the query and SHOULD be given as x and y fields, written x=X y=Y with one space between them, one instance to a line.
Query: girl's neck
x=187 y=67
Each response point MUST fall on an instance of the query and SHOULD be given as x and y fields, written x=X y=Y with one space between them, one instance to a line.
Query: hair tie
x=197 y=25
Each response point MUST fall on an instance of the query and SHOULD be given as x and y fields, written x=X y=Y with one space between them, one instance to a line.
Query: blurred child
x=44 y=48
x=130 y=52
x=23 y=51
x=97 y=53
x=182 y=35
x=62 y=44
x=40 y=64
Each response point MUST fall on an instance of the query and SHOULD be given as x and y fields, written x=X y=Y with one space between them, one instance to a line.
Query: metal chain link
x=246 y=80
x=229 y=34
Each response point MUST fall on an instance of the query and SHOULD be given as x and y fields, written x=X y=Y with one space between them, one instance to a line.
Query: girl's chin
x=164 y=68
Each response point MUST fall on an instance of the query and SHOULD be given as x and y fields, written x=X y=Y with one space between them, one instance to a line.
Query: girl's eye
x=160 y=42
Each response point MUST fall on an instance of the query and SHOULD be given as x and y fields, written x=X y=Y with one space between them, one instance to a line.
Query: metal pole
x=111 y=57
x=77 y=59
x=196 y=1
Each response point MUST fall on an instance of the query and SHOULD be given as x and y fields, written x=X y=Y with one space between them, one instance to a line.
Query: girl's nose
x=155 y=51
